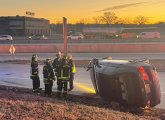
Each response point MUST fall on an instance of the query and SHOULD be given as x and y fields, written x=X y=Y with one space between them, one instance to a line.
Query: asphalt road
x=24 y=40
x=84 y=56
x=19 y=75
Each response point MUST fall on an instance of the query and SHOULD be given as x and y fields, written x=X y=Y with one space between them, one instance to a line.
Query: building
x=24 y=26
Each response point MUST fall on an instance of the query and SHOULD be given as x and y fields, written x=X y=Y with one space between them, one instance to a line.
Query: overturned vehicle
x=127 y=82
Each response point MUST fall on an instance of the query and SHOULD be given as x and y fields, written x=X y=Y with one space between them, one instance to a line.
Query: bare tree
x=120 y=21
x=97 y=20
x=58 y=21
x=127 y=20
x=80 y=21
x=109 y=18
x=83 y=21
x=141 y=20
x=160 y=22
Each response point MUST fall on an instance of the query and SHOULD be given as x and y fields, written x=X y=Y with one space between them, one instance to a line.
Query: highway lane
x=84 y=56
x=19 y=75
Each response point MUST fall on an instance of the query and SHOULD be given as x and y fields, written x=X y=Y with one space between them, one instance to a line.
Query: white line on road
x=15 y=78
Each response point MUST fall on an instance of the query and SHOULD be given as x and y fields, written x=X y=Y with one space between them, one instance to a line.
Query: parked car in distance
x=6 y=37
x=75 y=37
x=148 y=35
x=37 y=37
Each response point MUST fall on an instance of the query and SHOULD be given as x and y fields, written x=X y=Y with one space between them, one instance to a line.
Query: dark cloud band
x=121 y=6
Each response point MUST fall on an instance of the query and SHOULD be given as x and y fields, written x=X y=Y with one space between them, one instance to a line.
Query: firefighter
x=56 y=64
x=48 y=77
x=35 y=73
x=63 y=77
x=73 y=71
x=57 y=61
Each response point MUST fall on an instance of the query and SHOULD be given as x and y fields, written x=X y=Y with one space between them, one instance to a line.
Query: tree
x=127 y=20
x=109 y=18
x=141 y=20
x=97 y=20
x=83 y=21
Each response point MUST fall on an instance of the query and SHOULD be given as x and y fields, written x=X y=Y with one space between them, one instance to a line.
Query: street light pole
x=65 y=35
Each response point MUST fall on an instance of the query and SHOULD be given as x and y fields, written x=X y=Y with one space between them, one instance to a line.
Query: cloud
x=121 y=6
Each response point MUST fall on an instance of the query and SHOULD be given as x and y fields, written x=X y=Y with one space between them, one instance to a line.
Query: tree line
x=112 y=18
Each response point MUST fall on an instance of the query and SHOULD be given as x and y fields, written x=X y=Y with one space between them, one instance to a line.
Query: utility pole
x=65 y=35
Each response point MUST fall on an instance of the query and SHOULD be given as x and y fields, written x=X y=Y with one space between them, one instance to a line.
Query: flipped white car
x=127 y=82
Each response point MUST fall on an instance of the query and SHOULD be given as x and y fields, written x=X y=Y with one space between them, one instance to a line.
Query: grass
x=22 y=104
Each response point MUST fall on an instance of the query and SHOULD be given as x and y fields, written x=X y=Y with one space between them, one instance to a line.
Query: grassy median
x=23 y=104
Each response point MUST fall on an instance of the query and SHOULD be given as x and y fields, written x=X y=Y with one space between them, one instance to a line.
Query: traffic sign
x=12 y=49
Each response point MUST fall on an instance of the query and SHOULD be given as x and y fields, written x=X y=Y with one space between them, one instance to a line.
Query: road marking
x=16 y=78
x=10 y=82
x=162 y=92
x=81 y=86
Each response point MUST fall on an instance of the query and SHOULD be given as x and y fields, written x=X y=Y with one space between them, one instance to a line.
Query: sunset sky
x=75 y=10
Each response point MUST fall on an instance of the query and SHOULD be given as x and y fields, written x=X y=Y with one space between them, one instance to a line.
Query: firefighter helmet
x=34 y=57
x=64 y=60
x=48 y=61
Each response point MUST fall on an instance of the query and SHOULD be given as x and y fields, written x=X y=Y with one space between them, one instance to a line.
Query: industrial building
x=24 y=26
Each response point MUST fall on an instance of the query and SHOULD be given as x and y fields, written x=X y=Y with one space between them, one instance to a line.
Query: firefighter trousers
x=62 y=86
x=36 y=82
x=71 y=82
x=48 y=88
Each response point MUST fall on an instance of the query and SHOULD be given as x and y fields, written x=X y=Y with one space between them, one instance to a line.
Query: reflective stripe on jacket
x=62 y=77
x=74 y=69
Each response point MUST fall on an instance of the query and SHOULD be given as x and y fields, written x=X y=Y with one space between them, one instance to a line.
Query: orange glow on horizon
x=84 y=10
